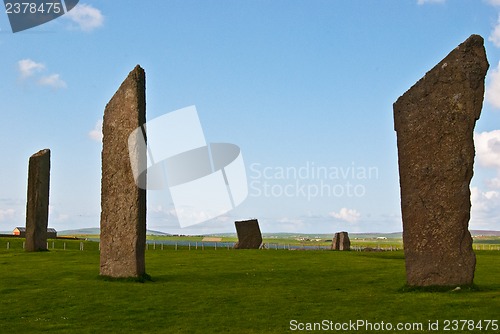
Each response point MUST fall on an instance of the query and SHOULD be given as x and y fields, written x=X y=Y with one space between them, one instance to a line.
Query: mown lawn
x=228 y=291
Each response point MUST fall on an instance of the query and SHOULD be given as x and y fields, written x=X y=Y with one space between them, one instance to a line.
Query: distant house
x=21 y=232
x=51 y=233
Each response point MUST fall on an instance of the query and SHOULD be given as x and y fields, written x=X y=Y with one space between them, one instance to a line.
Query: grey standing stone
x=341 y=241
x=37 y=207
x=123 y=204
x=434 y=121
x=249 y=236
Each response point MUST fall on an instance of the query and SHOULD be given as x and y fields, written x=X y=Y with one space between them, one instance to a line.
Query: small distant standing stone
x=249 y=236
x=37 y=207
x=123 y=204
x=434 y=121
x=341 y=241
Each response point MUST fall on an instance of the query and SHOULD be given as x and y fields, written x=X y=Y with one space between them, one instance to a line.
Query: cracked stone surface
x=123 y=204
x=434 y=121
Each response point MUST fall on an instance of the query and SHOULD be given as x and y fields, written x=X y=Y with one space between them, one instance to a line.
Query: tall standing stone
x=249 y=236
x=341 y=241
x=37 y=207
x=123 y=204
x=435 y=122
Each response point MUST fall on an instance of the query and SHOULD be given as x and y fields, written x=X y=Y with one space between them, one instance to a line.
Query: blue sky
x=295 y=84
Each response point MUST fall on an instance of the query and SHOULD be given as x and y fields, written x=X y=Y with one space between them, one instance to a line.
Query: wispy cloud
x=492 y=94
x=96 y=132
x=86 y=17
x=53 y=80
x=6 y=214
x=28 y=67
x=30 y=71
x=345 y=214
x=423 y=2
x=493 y=2
x=495 y=34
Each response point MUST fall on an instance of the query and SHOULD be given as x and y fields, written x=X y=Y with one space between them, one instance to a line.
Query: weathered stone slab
x=249 y=236
x=435 y=121
x=341 y=241
x=37 y=206
x=123 y=204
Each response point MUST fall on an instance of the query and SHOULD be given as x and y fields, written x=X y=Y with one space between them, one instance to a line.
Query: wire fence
x=94 y=245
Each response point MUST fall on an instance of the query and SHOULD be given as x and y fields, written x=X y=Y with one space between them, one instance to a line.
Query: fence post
x=215 y=246
x=176 y=246
x=189 y=245
x=8 y=245
x=24 y=244
x=64 y=246
x=202 y=246
x=154 y=245
x=162 y=246
x=52 y=244
x=196 y=245
x=81 y=246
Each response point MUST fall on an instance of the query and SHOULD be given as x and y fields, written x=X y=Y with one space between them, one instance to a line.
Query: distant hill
x=485 y=233
x=374 y=235
x=79 y=231
x=96 y=230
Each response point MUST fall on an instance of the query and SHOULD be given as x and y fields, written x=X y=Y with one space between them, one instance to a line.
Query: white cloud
x=494 y=183
x=495 y=34
x=492 y=93
x=62 y=217
x=485 y=209
x=86 y=17
x=484 y=201
x=488 y=148
x=348 y=215
x=284 y=224
x=96 y=133
x=7 y=214
x=28 y=67
x=423 y=2
x=493 y=2
x=52 y=80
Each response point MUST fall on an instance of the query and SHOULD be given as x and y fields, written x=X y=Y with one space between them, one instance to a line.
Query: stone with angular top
x=123 y=204
x=434 y=121
x=37 y=206
x=249 y=236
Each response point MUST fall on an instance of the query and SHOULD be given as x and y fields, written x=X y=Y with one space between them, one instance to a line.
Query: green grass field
x=228 y=291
